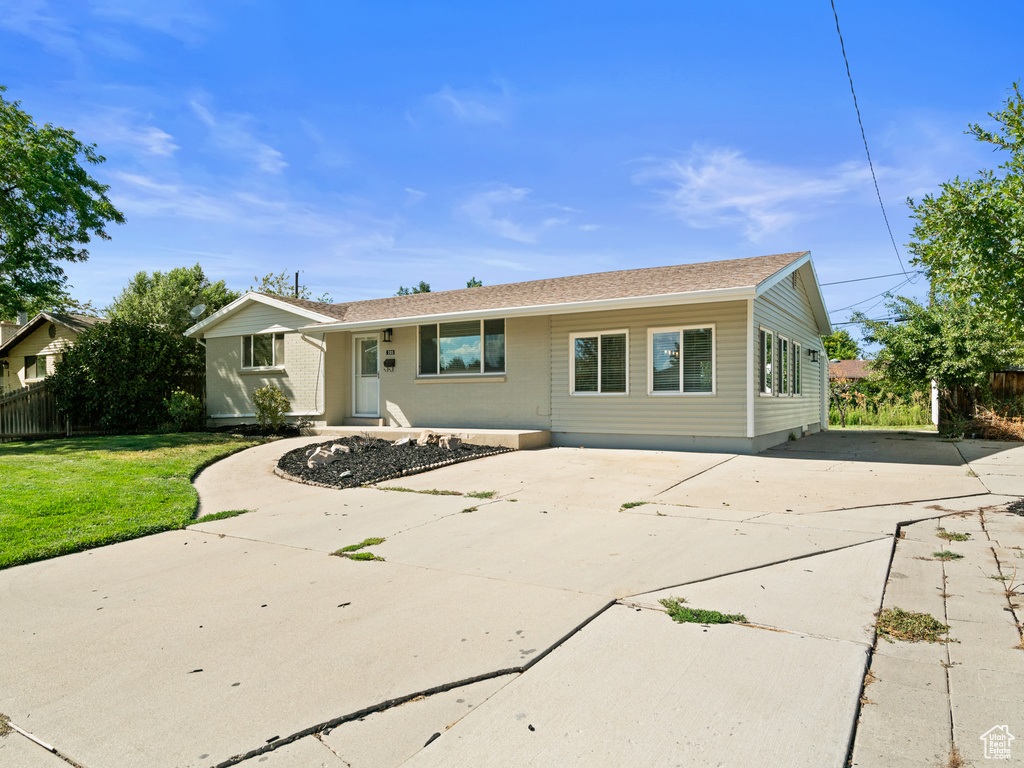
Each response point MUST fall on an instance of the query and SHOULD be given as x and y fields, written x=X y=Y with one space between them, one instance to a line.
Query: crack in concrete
x=40 y=743
x=327 y=725
x=696 y=474
x=320 y=737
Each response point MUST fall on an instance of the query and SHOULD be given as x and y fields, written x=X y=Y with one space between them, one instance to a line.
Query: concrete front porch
x=517 y=439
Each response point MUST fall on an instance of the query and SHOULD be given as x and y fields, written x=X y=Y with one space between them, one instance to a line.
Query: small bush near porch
x=62 y=496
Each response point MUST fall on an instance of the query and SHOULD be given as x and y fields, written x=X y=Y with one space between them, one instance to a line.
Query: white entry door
x=366 y=384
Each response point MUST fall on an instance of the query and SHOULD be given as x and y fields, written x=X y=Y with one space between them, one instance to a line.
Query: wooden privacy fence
x=1007 y=383
x=30 y=412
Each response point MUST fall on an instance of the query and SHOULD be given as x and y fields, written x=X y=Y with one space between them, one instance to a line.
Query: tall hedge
x=118 y=374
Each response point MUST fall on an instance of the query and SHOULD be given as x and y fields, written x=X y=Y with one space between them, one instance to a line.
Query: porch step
x=362 y=422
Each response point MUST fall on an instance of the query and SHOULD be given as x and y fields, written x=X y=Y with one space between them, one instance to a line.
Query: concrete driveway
x=522 y=627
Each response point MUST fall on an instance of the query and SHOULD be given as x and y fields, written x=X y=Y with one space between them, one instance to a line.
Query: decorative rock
x=339 y=448
x=402 y=441
x=427 y=438
x=319 y=457
x=451 y=442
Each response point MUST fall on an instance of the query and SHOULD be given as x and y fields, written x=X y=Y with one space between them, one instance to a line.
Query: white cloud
x=719 y=187
x=120 y=127
x=476 y=107
x=489 y=211
x=415 y=195
x=181 y=19
x=34 y=19
x=229 y=133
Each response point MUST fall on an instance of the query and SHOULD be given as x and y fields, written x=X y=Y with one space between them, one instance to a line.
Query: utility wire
x=869 y=298
x=865 y=138
x=862 y=279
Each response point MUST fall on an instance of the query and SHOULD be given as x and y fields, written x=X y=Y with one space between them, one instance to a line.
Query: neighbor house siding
x=37 y=343
x=519 y=399
x=785 y=310
x=722 y=414
x=229 y=388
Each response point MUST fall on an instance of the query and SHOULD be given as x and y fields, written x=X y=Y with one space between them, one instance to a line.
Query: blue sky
x=372 y=145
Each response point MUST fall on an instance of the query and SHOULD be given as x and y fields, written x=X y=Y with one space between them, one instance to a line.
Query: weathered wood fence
x=30 y=412
x=1007 y=383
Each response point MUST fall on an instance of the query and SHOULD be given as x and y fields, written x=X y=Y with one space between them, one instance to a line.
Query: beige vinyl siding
x=785 y=310
x=519 y=399
x=229 y=388
x=638 y=413
x=37 y=343
x=257 y=318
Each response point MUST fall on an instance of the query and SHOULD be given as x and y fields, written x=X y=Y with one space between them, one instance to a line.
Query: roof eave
x=814 y=294
x=635 y=302
x=197 y=330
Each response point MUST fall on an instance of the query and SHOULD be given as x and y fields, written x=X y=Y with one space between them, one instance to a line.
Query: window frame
x=682 y=357
x=482 y=373
x=785 y=366
x=796 y=350
x=276 y=365
x=766 y=379
x=35 y=366
x=572 y=362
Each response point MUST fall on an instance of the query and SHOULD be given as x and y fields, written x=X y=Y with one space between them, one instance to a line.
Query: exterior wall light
x=387 y=335
x=813 y=354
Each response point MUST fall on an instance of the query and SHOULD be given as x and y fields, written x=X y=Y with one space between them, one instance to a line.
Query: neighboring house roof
x=849 y=369
x=709 y=281
x=76 y=323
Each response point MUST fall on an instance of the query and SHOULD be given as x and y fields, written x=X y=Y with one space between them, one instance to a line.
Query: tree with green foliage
x=474 y=283
x=970 y=237
x=839 y=345
x=118 y=375
x=50 y=208
x=165 y=298
x=956 y=344
x=421 y=288
x=284 y=285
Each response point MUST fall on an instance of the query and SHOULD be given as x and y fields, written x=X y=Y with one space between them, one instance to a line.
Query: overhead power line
x=862 y=279
x=864 y=136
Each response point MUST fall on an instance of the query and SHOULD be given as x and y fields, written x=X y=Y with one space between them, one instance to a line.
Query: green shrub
x=271 y=405
x=118 y=375
x=186 y=410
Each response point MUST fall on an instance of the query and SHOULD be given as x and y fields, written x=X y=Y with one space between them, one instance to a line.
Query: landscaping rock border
x=370 y=461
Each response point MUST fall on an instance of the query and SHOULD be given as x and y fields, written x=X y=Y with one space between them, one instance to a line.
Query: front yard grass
x=62 y=496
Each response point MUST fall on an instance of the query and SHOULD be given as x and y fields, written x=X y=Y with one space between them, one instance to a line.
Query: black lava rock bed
x=373 y=461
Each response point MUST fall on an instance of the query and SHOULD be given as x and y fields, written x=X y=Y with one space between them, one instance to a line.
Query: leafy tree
x=839 y=345
x=970 y=238
x=118 y=375
x=841 y=392
x=165 y=298
x=284 y=285
x=61 y=302
x=421 y=288
x=956 y=344
x=474 y=283
x=50 y=208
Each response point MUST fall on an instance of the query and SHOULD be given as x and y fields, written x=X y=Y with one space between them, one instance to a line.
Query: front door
x=366 y=371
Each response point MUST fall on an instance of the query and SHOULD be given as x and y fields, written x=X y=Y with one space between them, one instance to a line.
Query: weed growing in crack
x=469 y=509
x=431 y=492
x=686 y=615
x=481 y=494
x=352 y=551
x=947 y=555
x=631 y=504
x=911 y=627
x=942 y=533
x=5 y=725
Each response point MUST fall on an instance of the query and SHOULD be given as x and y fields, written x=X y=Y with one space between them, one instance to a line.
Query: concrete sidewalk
x=525 y=627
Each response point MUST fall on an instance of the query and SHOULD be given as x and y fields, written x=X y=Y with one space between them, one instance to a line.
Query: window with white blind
x=767 y=362
x=599 y=363
x=464 y=347
x=785 y=366
x=796 y=368
x=682 y=361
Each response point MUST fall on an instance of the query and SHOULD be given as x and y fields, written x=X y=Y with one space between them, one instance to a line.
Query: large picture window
x=464 y=347
x=599 y=363
x=682 y=360
x=263 y=350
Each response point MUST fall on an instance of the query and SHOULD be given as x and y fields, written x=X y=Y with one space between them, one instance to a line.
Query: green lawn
x=61 y=496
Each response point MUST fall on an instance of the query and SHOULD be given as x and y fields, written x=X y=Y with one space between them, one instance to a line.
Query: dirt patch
x=372 y=461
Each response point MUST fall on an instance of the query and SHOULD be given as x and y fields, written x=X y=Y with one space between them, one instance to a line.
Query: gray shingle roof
x=622 y=284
